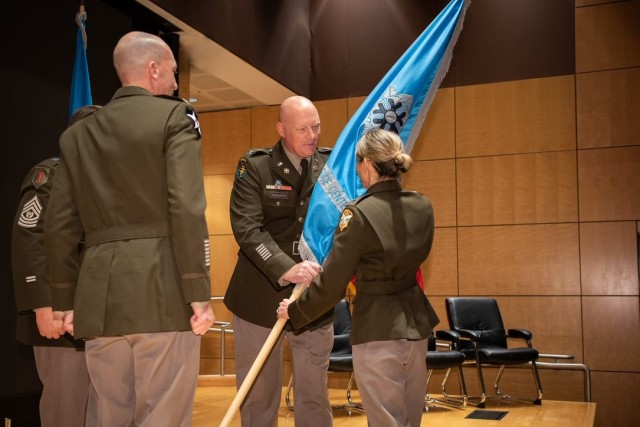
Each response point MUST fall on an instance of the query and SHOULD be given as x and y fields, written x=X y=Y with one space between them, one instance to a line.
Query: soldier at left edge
x=60 y=359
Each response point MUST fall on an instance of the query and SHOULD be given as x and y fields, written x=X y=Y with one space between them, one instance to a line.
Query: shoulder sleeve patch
x=344 y=219
x=40 y=176
x=193 y=116
x=241 y=171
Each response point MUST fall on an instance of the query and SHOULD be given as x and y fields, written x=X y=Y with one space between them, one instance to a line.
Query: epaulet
x=51 y=161
x=361 y=198
x=256 y=151
x=324 y=149
x=174 y=98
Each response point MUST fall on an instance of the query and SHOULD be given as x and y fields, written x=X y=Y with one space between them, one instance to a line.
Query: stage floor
x=212 y=403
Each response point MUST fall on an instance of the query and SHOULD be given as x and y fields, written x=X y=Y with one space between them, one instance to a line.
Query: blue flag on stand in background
x=398 y=103
x=80 y=83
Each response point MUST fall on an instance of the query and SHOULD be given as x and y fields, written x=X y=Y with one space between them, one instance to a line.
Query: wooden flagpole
x=257 y=364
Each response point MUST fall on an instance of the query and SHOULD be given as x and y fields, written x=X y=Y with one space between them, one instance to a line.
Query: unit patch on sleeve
x=40 y=176
x=191 y=113
x=30 y=213
x=345 y=218
x=242 y=168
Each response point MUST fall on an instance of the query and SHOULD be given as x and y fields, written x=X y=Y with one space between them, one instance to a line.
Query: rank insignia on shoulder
x=30 y=213
x=242 y=168
x=40 y=176
x=345 y=218
x=191 y=113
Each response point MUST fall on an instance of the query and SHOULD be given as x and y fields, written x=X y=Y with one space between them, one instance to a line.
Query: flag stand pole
x=257 y=364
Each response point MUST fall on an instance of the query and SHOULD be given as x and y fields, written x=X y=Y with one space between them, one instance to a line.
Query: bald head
x=299 y=126
x=291 y=107
x=142 y=59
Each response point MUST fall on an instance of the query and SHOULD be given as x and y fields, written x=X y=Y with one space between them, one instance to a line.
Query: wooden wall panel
x=437 y=136
x=436 y=180
x=519 y=260
x=608 y=105
x=525 y=116
x=611 y=333
x=518 y=189
x=440 y=270
x=609 y=183
x=225 y=137
x=218 y=191
x=263 y=126
x=353 y=104
x=555 y=322
x=608 y=36
x=224 y=253
x=581 y=3
x=438 y=305
x=563 y=385
x=608 y=258
x=333 y=117
x=616 y=394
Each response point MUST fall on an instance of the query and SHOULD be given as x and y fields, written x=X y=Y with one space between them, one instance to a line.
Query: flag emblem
x=391 y=112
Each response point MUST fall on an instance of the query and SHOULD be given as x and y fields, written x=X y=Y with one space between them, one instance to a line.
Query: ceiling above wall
x=218 y=79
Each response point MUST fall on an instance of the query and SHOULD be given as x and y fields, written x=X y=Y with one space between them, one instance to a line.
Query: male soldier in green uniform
x=59 y=358
x=130 y=180
x=269 y=203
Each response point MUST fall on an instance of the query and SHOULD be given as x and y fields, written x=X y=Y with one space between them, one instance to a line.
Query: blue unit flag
x=80 y=83
x=398 y=103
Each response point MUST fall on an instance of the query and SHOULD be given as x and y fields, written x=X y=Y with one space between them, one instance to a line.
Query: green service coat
x=382 y=238
x=268 y=207
x=130 y=179
x=30 y=273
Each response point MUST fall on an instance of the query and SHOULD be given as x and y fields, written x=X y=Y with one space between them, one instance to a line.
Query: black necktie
x=304 y=166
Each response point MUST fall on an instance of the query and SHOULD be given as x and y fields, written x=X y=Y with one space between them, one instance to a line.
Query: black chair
x=445 y=360
x=340 y=358
x=484 y=342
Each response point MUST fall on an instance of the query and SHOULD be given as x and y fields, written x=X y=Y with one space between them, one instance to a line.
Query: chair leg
x=459 y=402
x=287 y=397
x=536 y=379
x=350 y=406
x=483 y=393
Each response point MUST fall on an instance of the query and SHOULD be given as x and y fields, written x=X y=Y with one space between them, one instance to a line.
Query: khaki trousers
x=392 y=380
x=143 y=379
x=310 y=352
x=65 y=380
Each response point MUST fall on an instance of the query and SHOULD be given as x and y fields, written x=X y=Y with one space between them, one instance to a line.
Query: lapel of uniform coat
x=282 y=167
x=316 y=163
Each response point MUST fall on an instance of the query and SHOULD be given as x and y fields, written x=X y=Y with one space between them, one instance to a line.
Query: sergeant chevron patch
x=30 y=213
